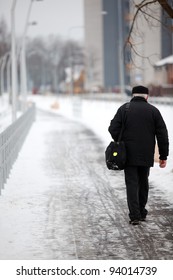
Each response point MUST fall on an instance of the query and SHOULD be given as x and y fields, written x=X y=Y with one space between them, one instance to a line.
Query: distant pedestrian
x=143 y=125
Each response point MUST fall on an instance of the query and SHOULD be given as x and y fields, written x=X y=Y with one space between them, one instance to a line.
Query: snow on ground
x=31 y=200
x=96 y=114
x=27 y=195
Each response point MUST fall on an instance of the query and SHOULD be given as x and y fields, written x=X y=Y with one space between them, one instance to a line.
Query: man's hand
x=162 y=163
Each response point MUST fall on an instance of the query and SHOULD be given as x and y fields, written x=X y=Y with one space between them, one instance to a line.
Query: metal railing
x=11 y=140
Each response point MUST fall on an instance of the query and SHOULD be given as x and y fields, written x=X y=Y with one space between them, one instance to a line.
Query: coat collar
x=138 y=99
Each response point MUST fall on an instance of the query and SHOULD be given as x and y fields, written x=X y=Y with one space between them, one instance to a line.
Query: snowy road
x=67 y=205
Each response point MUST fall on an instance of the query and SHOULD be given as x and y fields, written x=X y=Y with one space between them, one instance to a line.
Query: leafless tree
x=147 y=9
x=48 y=58
x=167 y=7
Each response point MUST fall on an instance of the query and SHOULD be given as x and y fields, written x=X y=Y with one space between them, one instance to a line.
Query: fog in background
x=52 y=16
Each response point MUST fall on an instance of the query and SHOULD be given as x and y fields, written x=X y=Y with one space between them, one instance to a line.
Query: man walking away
x=143 y=125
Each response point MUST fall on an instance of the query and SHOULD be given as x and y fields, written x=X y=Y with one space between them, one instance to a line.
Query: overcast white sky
x=53 y=17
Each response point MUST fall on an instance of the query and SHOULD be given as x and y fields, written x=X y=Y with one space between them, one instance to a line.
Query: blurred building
x=146 y=41
x=93 y=22
x=153 y=42
x=167 y=34
x=164 y=67
x=106 y=66
x=164 y=71
x=115 y=30
x=105 y=22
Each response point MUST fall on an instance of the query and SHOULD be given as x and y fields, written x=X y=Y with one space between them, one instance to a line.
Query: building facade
x=93 y=22
x=107 y=25
x=116 y=55
x=105 y=21
x=146 y=40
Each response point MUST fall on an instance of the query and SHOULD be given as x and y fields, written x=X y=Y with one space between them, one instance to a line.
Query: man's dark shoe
x=134 y=222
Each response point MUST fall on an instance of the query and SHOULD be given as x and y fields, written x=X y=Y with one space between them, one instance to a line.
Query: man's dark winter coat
x=143 y=125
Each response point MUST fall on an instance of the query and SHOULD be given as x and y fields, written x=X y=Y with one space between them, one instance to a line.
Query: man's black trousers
x=136 y=179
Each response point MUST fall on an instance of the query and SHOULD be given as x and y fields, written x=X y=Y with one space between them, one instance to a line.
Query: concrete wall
x=93 y=20
x=146 y=40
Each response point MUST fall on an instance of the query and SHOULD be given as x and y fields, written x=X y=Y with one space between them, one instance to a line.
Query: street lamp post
x=23 y=61
x=120 y=48
x=23 y=58
x=13 y=58
x=9 y=78
x=13 y=61
x=4 y=63
x=2 y=75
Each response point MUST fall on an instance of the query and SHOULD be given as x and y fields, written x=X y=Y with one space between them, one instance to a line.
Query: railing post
x=11 y=141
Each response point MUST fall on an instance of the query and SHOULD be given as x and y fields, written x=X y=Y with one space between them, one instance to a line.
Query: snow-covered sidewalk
x=61 y=202
x=96 y=115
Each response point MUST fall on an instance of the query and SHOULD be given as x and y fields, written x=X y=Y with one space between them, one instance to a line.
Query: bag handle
x=123 y=123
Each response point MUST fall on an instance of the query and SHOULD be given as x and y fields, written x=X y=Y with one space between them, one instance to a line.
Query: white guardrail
x=11 y=140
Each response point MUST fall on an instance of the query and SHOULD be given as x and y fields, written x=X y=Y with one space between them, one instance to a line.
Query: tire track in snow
x=94 y=200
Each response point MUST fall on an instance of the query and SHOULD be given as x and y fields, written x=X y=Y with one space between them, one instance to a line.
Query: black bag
x=115 y=154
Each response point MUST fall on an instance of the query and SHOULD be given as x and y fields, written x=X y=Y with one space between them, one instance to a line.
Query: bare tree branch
x=166 y=7
x=139 y=8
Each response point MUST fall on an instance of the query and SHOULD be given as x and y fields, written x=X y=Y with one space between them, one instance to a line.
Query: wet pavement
x=82 y=211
